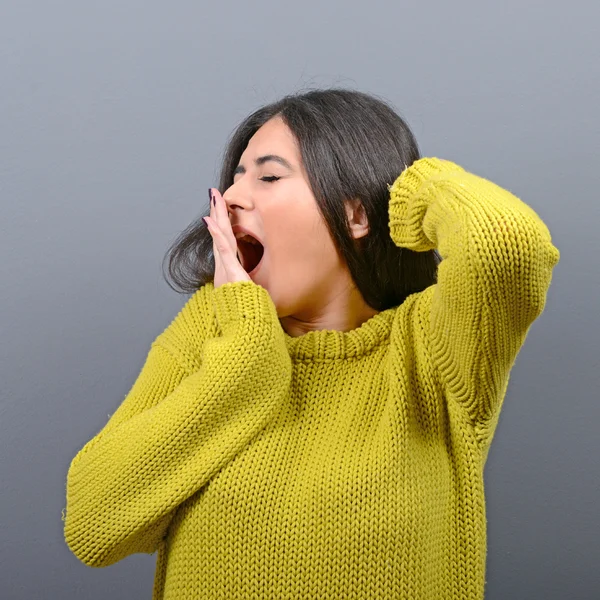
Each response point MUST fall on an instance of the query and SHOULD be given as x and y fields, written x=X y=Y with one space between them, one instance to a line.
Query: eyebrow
x=261 y=160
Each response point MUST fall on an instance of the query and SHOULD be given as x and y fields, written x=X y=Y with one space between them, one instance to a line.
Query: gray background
x=113 y=116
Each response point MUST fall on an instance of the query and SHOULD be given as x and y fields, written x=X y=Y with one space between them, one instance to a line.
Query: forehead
x=274 y=137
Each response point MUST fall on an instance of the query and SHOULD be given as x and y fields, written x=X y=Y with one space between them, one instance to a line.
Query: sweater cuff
x=408 y=206
x=420 y=172
x=242 y=300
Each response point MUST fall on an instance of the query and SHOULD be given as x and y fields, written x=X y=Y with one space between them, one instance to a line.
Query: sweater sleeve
x=174 y=430
x=496 y=268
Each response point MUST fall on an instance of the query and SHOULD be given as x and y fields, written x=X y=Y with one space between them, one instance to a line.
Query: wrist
x=234 y=301
x=423 y=170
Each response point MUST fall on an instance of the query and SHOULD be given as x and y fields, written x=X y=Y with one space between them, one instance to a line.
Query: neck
x=342 y=311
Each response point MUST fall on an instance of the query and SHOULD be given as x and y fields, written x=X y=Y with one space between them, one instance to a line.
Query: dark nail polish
x=204 y=219
x=209 y=194
x=214 y=201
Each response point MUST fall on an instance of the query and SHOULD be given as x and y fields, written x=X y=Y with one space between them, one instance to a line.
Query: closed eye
x=270 y=179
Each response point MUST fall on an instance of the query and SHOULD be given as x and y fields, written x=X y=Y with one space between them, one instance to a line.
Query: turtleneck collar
x=325 y=344
x=330 y=344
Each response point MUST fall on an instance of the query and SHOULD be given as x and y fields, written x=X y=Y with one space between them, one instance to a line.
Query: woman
x=315 y=421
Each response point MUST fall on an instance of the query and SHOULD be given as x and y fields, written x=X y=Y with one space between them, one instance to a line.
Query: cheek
x=301 y=238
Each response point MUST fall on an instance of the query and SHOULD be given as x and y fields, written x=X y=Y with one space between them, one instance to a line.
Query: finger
x=219 y=239
x=213 y=216
x=222 y=218
x=208 y=226
x=215 y=209
x=219 y=274
x=227 y=256
x=221 y=215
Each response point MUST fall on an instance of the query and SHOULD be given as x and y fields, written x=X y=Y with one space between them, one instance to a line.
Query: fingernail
x=210 y=195
x=205 y=221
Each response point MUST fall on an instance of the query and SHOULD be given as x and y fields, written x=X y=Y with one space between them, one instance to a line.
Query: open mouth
x=250 y=253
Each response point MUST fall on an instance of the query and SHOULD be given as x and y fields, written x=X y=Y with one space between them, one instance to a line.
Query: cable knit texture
x=334 y=464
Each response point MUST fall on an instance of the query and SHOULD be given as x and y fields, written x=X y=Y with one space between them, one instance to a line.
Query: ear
x=357 y=218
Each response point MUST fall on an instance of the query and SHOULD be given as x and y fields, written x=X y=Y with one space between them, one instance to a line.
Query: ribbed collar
x=326 y=344
x=330 y=344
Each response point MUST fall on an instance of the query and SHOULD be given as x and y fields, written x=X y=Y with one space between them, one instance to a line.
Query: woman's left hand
x=228 y=268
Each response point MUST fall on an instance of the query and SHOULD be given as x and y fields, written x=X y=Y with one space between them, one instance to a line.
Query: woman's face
x=271 y=198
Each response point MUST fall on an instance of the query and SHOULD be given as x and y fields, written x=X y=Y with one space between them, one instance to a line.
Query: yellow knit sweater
x=344 y=465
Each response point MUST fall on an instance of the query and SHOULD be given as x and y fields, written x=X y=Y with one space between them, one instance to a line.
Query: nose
x=236 y=199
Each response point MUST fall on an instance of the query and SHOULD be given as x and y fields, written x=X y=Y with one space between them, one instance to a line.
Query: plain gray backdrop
x=113 y=117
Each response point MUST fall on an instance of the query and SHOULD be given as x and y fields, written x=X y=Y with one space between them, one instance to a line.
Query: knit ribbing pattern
x=334 y=464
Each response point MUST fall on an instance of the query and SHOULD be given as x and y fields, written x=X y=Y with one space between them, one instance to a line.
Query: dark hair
x=353 y=146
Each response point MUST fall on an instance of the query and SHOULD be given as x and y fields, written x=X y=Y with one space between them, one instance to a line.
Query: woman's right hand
x=228 y=268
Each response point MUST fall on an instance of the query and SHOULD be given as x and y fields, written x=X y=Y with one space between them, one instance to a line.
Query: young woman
x=315 y=421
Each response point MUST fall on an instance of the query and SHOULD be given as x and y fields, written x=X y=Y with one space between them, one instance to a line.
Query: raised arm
x=496 y=268
x=175 y=430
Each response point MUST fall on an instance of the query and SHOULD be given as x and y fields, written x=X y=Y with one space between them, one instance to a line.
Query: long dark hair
x=353 y=145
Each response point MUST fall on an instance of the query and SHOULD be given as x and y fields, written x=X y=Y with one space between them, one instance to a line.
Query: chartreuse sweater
x=344 y=465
